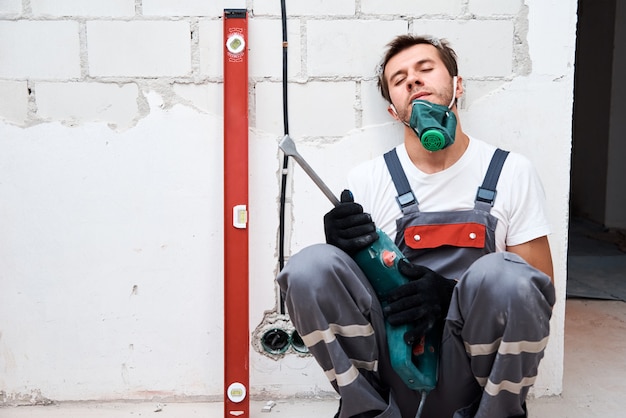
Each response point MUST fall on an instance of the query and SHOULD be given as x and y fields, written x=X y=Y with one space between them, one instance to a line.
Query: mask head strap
x=454 y=79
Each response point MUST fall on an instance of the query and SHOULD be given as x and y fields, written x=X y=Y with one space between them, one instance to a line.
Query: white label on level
x=240 y=216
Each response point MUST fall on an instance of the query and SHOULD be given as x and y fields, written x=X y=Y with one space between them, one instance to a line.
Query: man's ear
x=392 y=111
x=459 y=86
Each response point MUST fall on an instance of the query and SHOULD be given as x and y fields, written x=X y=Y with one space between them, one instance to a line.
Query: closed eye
x=398 y=81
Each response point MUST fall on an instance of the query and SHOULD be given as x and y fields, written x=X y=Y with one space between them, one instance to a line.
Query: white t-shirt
x=519 y=206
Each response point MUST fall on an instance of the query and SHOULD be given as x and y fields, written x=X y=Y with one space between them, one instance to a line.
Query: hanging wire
x=283 y=185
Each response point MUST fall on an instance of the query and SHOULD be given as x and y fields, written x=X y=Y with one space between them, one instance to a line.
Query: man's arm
x=537 y=254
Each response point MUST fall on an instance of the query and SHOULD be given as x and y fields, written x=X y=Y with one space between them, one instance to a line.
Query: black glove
x=422 y=302
x=347 y=227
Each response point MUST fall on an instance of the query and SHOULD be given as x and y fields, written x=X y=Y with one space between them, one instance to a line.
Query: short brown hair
x=402 y=42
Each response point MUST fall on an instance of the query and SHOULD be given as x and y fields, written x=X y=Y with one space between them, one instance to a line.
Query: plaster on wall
x=123 y=268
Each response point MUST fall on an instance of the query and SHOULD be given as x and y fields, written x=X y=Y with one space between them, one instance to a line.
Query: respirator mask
x=434 y=124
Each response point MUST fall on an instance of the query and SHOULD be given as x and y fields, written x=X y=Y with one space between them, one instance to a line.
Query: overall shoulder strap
x=406 y=198
x=486 y=194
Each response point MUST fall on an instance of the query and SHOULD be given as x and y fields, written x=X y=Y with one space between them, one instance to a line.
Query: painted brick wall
x=111 y=171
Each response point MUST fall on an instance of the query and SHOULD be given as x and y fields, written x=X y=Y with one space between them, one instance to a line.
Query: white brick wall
x=110 y=8
x=139 y=49
x=207 y=97
x=10 y=7
x=211 y=51
x=484 y=47
x=373 y=104
x=189 y=7
x=266 y=52
x=412 y=8
x=489 y=7
x=39 y=50
x=332 y=50
x=116 y=106
x=316 y=109
x=315 y=8
x=76 y=103
x=14 y=101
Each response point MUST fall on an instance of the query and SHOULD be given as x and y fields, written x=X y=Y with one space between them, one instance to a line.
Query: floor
x=594 y=361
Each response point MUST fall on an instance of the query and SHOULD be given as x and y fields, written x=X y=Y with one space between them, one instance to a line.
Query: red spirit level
x=236 y=329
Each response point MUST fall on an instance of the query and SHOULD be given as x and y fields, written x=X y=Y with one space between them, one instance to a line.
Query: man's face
x=417 y=73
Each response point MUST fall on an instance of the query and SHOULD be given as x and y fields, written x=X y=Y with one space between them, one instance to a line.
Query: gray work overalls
x=494 y=334
x=446 y=242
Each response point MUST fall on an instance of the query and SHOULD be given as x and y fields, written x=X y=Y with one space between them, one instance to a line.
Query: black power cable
x=283 y=185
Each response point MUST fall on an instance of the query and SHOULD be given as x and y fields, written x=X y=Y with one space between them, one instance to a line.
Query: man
x=480 y=264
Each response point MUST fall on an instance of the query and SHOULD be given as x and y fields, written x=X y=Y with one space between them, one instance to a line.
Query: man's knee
x=314 y=270
x=503 y=285
x=507 y=277
x=502 y=297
